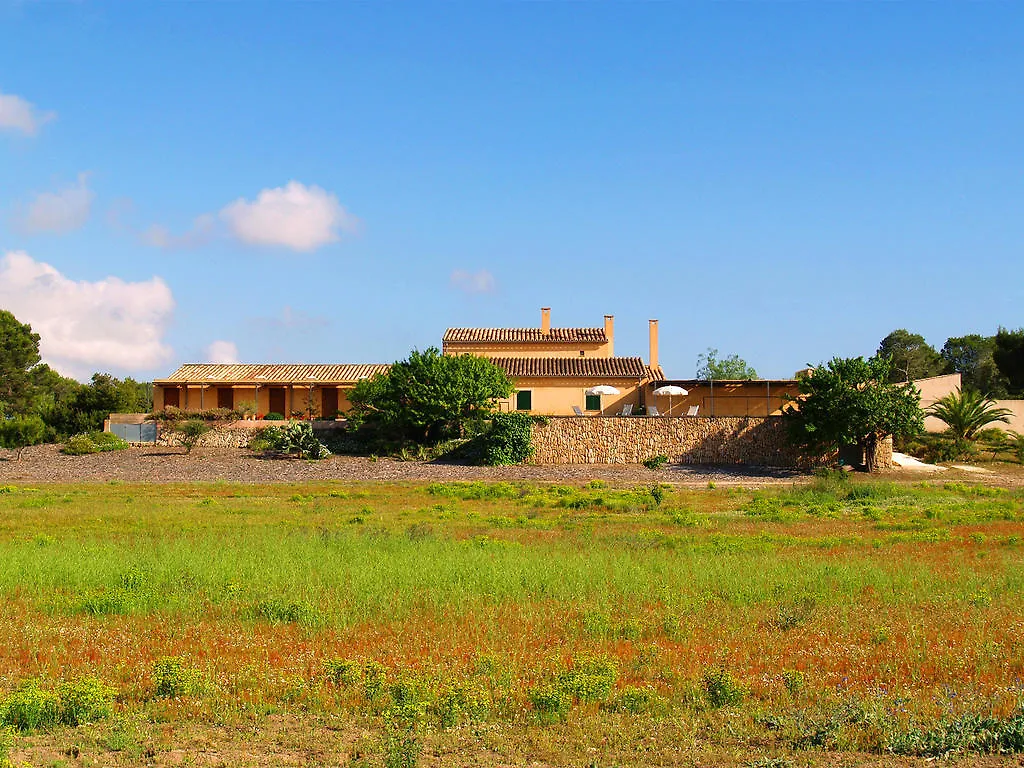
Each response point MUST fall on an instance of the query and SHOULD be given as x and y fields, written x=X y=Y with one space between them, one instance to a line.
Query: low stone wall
x=757 y=441
x=236 y=434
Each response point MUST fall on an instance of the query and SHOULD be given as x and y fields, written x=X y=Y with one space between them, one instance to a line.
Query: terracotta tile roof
x=577 y=367
x=272 y=374
x=525 y=335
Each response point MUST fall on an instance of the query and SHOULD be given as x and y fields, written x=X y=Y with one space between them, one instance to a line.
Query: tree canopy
x=1009 y=356
x=709 y=366
x=971 y=357
x=19 y=352
x=430 y=396
x=912 y=357
x=852 y=401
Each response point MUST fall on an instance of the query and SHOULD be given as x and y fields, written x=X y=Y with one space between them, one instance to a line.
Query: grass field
x=503 y=624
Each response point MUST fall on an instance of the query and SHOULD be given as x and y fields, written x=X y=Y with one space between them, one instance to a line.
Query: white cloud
x=107 y=325
x=16 y=114
x=62 y=211
x=293 y=216
x=222 y=353
x=159 y=236
x=472 y=282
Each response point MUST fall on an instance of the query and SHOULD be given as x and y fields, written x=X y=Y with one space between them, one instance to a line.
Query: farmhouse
x=554 y=367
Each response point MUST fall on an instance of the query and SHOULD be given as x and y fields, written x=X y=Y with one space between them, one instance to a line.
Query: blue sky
x=338 y=182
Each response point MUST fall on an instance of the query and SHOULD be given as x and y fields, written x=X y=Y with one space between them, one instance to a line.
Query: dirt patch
x=158 y=464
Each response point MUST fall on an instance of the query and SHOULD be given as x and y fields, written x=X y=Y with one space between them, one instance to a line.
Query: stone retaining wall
x=236 y=434
x=757 y=441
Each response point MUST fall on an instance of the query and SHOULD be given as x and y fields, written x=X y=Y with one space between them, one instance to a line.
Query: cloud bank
x=58 y=212
x=16 y=114
x=107 y=325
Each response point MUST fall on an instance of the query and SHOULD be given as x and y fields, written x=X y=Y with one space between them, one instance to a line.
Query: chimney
x=654 y=344
x=545 y=320
x=609 y=333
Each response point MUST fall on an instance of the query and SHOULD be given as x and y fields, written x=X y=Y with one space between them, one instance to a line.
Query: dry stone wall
x=687 y=440
x=236 y=434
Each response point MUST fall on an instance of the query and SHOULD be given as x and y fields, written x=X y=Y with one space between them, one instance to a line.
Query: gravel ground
x=45 y=464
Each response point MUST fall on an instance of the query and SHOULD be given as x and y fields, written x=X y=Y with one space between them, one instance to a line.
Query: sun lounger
x=652 y=410
x=577 y=410
x=692 y=410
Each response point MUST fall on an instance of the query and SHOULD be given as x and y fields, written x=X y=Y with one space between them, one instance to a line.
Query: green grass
x=836 y=614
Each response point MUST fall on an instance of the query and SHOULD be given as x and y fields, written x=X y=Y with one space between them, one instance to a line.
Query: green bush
x=31 y=706
x=722 y=690
x=510 y=439
x=656 y=462
x=85 y=701
x=295 y=438
x=174 y=677
x=589 y=680
x=93 y=442
x=550 y=702
x=20 y=432
x=79 y=445
x=191 y=431
x=274 y=416
x=278 y=611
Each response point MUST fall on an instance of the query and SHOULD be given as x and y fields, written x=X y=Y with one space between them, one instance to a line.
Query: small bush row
x=32 y=706
x=93 y=442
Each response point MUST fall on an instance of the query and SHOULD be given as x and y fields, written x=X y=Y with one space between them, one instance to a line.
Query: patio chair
x=576 y=409
x=692 y=410
x=627 y=410
x=652 y=410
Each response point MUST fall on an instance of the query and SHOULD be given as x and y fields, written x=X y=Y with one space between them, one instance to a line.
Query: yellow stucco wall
x=556 y=397
x=296 y=397
x=753 y=398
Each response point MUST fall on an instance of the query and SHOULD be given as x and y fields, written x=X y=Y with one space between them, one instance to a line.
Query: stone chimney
x=654 y=343
x=609 y=333
x=545 y=320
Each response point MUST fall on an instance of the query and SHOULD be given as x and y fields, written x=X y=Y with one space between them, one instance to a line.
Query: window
x=593 y=403
x=524 y=400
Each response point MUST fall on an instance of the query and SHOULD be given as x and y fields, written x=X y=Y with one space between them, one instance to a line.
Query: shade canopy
x=670 y=390
x=603 y=389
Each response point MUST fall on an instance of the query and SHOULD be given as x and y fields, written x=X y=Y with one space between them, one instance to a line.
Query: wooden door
x=225 y=398
x=330 y=402
x=172 y=397
x=276 y=396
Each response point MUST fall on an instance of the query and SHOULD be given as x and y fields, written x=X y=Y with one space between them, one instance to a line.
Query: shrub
x=278 y=611
x=31 y=707
x=344 y=672
x=191 y=431
x=510 y=439
x=85 y=701
x=274 y=416
x=721 y=689
x=79 y=445
x=294 y=439
x=174 y=677
x=635 y=701
x=589 y=680
x=93 y=442
x=656 y=462
x=550 y=702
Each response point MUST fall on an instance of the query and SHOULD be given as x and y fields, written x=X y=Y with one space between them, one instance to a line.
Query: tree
x=853 y=402
x=430 y=396
x=90 y=404
x=191 y=431
x=731 y=367
x=19 y=352
x=1009 y=356
x=971 y=357
x=912 y=357
x=967 y=411
x=20 y=432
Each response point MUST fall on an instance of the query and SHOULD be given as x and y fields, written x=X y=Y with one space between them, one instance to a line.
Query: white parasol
x=670 y=391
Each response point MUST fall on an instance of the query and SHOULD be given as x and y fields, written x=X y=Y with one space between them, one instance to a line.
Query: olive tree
x=852 y=401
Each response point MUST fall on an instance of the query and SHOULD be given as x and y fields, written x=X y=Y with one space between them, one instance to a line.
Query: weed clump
x=722 y=689
x=31 y=706
x=174 y=678
x=279 y=611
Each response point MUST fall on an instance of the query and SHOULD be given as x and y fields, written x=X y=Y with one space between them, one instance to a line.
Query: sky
x=340 y=182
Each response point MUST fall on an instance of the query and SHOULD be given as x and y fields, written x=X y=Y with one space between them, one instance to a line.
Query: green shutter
x=524 y=400
x=593 y=403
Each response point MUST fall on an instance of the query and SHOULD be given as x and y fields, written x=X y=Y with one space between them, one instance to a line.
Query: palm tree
x=966 y=411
